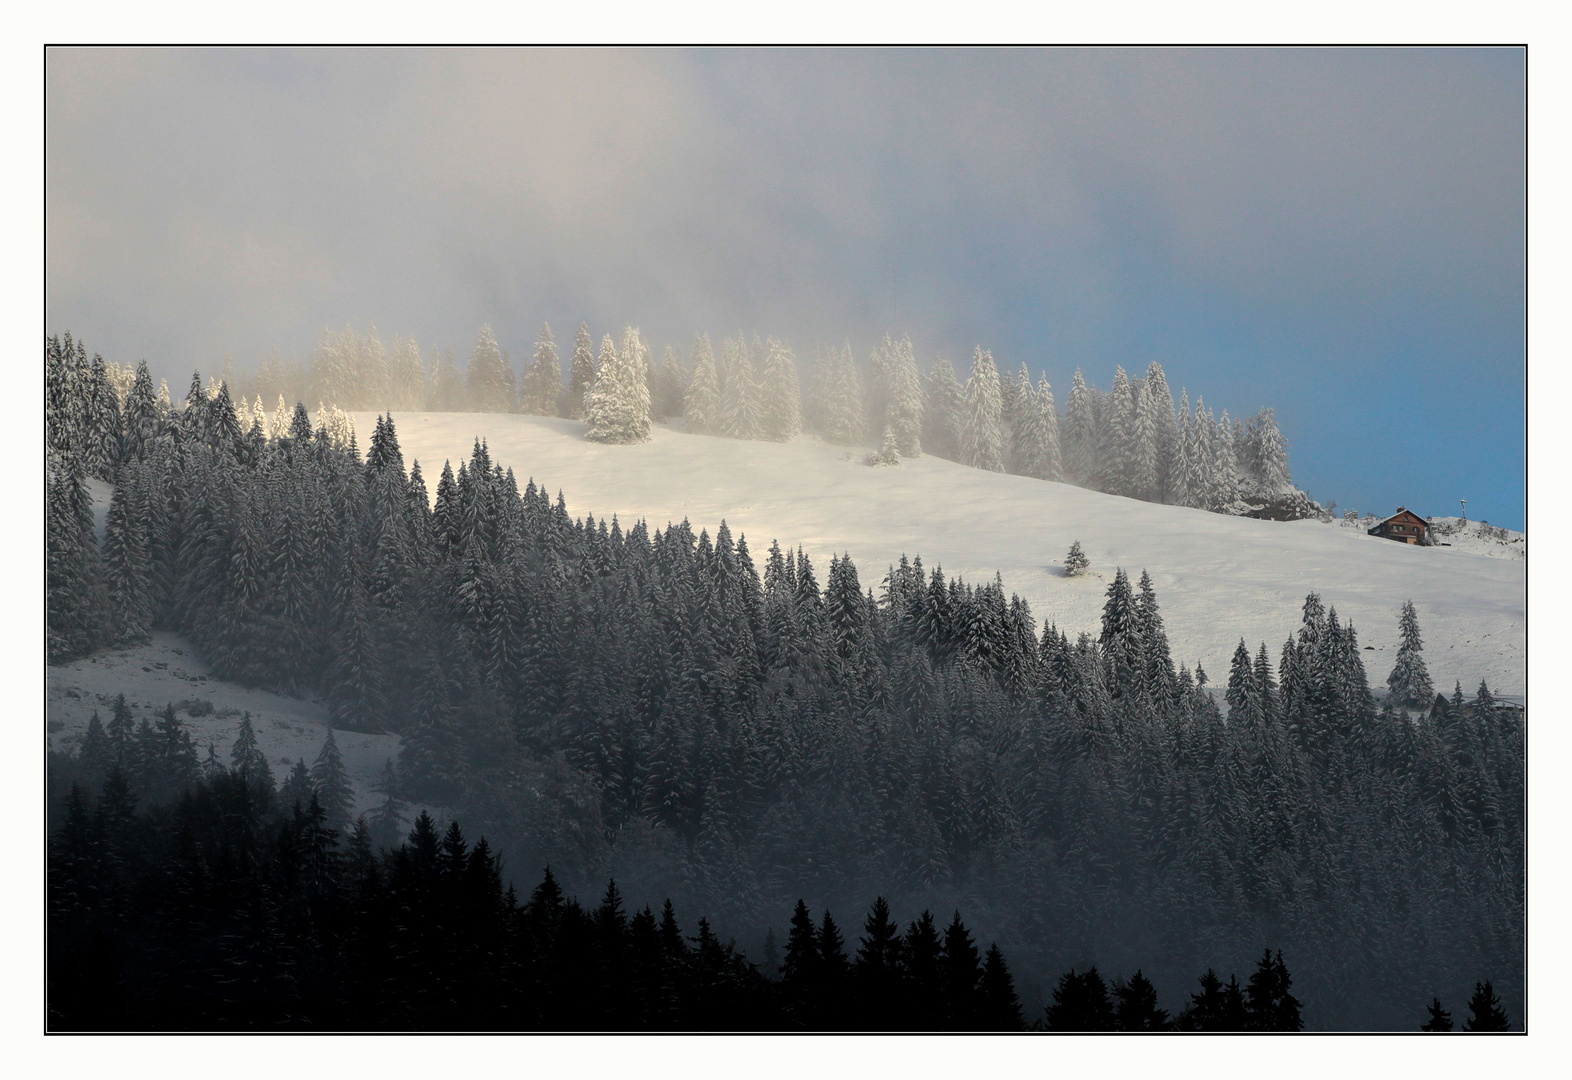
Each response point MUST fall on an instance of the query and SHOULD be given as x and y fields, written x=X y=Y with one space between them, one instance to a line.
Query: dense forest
x=1129 y=440
x=226 y=907
x=657 y=707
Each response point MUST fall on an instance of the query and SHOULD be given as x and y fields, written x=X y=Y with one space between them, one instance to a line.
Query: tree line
x=654 y=705
x=1130 y=440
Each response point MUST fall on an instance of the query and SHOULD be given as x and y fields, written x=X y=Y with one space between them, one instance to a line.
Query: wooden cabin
x=1405 y=526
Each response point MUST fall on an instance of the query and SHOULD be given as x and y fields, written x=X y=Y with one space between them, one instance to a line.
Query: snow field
x=167 y=670
x=1217 y=578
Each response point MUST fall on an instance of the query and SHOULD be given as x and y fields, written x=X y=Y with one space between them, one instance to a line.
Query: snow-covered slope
x=1217 y=578
x=167 y=671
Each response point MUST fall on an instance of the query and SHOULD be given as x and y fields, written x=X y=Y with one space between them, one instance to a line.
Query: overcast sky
x=1337 y=234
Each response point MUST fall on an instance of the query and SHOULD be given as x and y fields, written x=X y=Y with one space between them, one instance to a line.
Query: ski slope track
x=1218 y=578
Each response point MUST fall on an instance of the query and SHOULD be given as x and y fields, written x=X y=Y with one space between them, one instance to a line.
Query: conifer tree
x=1048 y=432
x=943 y=405
x=701 y=406
x=842 y=409
x=877 y=973
x=406 y=376
x=1409 y=682
x=543 y=382
x=1115 y=468
x=1271 y=454
x=999 y=1009
x=1159 y=401
x=781 y=405
x=246 y=758
x=617 y=408
x=834 y=974
x=960 y=973
x=921 y=948
x=741 y=415
x=904 y=405
x=75 y=619
x=671 y=386
x=143 y=419
x=1075 y=562
x=1225 y=471
x=127 y=564
x=1484 y=1010
x=331 y=784
x=490 y=377
x=387 y=820
x=801 y=971
x=876 y=393
x=1268 y=1004
x=982 y=436
x=1080 y=433
x=1136 y=1005
x=581 y=373
x=1178 y=477
x=296 y=790
x=1080 y=1003
x=1146 y=440
x=1439 y=1019
x=1025 y=456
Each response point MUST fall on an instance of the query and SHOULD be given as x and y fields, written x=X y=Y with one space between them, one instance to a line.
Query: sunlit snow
x=1218 y=578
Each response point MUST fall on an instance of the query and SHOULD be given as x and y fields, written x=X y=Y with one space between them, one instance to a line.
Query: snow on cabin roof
x=1401 y=510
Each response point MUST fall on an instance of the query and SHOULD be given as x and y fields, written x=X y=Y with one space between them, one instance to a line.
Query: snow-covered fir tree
x=904 y=403
x=1178 y=490
x=446 y=390
x=1114 y=469
x=278 y=423
x=1049 y=420
x=1203 y=457
x=581 y=373
x=671 y=386
x=1158 y=399
x=127 y=561
x=701 y=405
x=1075 y=561
x=1036 y=436
x=889 y=452
x=143 y=417
x=876 y=394
x=781 y=418
x=1270 y=454
x=1079 y=443
x=741 y=410
x=944 y=402
x=1224 y=479
x=1021 y=417
x=982 y=434
x=490 y=376
x=842 y=407
x=75 y=619
x=406 y=377
x=1009 y=387
x=617 y=408
x=1409 y=682
x=543 y=381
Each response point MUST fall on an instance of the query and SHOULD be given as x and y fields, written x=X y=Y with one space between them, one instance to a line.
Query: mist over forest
x=703 y=722
x=784 y=540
